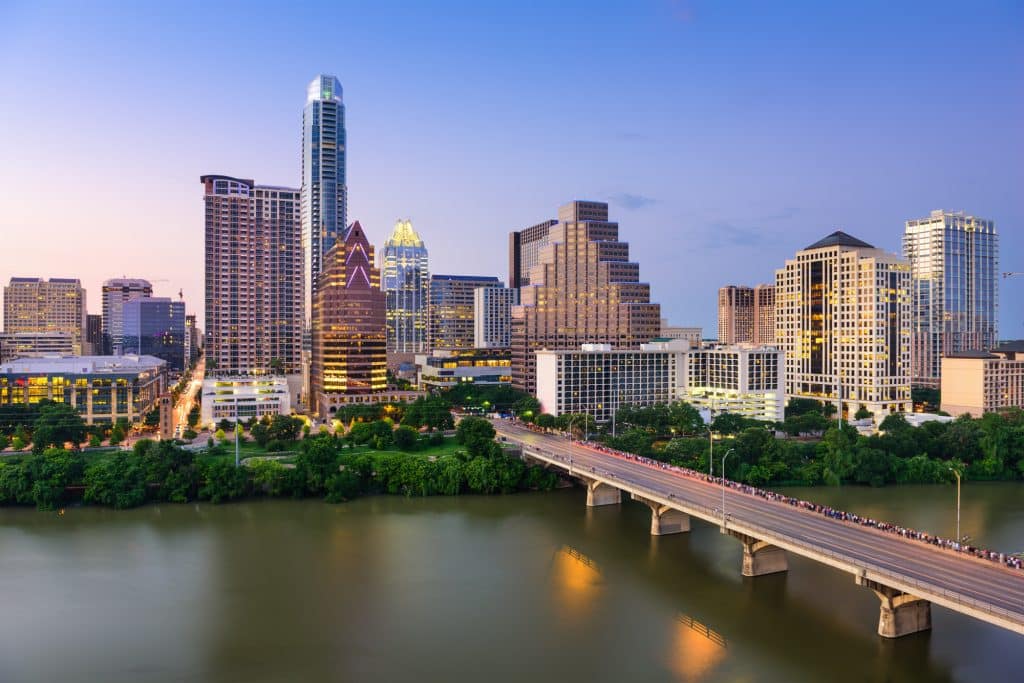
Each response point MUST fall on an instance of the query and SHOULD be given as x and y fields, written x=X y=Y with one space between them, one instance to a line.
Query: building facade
x=690 y=334
x=116 y=292
x=450 y=310
x=405 y=279
x=954 y=265
x=735 y=314
x=445 y=369
x=842 y=318
x=34 y=305
x=102 y=388
x=156 y=327
x=349 y=326
x=744 y=380
x=35 y=344
x=93 y=334
x=492 y=316
x=524 y=251
x=324 y=189
x=764 y=315
x=239 y=399
x=979 y=382
x=191 y=340
x=254 y=286
x=584 y=289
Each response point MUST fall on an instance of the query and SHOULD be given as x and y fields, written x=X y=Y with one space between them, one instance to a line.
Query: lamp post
x=723 y=483
x=956 y=472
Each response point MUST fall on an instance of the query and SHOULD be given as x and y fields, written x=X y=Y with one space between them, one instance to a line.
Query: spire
x=403 y=235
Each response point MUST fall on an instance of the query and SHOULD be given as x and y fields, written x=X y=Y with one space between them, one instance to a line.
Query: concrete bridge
x=907 y=575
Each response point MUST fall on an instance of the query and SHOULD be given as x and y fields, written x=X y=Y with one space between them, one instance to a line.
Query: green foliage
x=95 y=441
x=433 y=412
x=862 y=413
x=224 y=482
x=57 y=423
x=193 y=416
x=406 y=438
x=118 y=482
x=4 y=442
x=51 y=473
x=17 y=443
x=545 y=420
x=476 y=434
x=152 y=418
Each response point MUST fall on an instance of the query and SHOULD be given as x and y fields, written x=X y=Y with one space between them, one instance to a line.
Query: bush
x=406 y=438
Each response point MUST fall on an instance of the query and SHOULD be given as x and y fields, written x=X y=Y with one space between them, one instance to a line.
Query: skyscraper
x=450 y=313
x=93 y=335
x=583 y=289
x=155 y=326
x=954 y=262
x=735 y=314
x=254 y=286
x=842 y=317
x=32 y=304
x=324 y=189
x=405 y=281
x=349 y=326
x=764 y=315
x=524 y=251
x=492 y=316
x=116 y=292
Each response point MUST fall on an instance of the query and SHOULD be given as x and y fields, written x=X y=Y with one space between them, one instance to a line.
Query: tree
x=406 y=438
x=224 y=482
x=116 y=435
x=545 y=421
x=862 y=413
x=318 y=462
x=51 y=473
x=193 y=416
x=152 y=418
x=475 y=434
x=57 y=423
x=118 y=482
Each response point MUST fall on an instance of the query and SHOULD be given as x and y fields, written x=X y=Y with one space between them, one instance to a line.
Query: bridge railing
x=767 y=534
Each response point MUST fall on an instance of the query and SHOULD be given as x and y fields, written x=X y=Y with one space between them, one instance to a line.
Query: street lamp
x=957 y=473
x=723 y=482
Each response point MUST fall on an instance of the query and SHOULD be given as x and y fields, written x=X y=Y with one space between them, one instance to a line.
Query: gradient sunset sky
x=725 y=135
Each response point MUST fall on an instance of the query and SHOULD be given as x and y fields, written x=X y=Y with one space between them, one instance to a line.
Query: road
x=187 y=398
x=960 y=582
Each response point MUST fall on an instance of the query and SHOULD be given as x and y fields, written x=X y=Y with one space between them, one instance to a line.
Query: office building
x=254 y=286
x=690 y=334
x=324 y=189
x=979 y=382
x=735 y=314
x=742 y=379
x=34 y=305
x=155 y=326
x=116 y=292
x=492 y=316
x=450 y=309
x=239 y=399
x=102 y=388
x=524 y=251
x=191 y=340
x=405 y=280
x=93 y=334
x=349 y=326
x=583 y=289
x=445 y=369
x=35 y=344
x=954 y=267
x=842 y=318
x=764 y=315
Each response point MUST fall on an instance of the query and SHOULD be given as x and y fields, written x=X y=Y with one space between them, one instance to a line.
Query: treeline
x=760 y=453
x=326 y=467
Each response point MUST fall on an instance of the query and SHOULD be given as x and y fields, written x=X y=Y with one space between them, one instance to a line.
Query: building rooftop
x=403 y=235
x=1011 y=346
x=971 y=354
x=81 y=364
x=839 y=239
x=466 y=278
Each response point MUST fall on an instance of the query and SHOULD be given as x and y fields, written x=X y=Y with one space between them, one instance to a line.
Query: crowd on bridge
x=1011 y=561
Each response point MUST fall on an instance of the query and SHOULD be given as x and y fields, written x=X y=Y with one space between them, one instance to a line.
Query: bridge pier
x=760 y=557
x=599 y=493
x=665 y=520
x=900 y=614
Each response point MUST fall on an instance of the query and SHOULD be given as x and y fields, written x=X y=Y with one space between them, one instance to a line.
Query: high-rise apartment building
x=524 y=251
x=349 y=326
x=954 y=265
x=450 y=311
x=254 y=285
x=492 y=316
x=583 y=289
x=155 y=326
x=405 y=280
x=324 y=189
x=842 y=317
x=116 y=292
x=32 y=304
x=93 y=334
x=735 y=314
x=764 y=315
x=191 y=339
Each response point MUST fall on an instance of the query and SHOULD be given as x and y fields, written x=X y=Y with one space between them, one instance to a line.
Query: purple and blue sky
x=725 y=135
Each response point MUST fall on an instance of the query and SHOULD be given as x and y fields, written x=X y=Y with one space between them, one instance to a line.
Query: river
x=530 y=587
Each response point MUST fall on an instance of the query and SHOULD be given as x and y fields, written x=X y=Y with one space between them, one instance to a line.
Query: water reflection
x=696 y=649
x=577 y=583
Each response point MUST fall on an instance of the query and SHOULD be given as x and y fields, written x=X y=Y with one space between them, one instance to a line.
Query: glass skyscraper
x=954 y=261
x=155 y=326
x=405 y=281
x=324 y=192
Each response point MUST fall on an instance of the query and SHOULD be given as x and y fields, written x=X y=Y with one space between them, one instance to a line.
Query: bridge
x=907 y=575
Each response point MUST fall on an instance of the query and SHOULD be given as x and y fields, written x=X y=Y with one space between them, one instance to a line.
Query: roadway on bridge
x=984 y=582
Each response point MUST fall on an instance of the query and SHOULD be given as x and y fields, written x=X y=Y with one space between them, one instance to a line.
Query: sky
x=724 y=135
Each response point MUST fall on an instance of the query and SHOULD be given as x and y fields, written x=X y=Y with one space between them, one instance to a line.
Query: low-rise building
x=745 y=380
x=444 y=369
x=237 y=399
x=978 y=382
x=102 y=388
x=35 y=344
x=690 y=334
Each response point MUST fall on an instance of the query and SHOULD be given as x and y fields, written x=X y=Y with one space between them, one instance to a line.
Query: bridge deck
x=982 y=589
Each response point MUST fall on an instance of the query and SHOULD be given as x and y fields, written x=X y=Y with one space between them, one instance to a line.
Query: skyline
x=736 y=138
